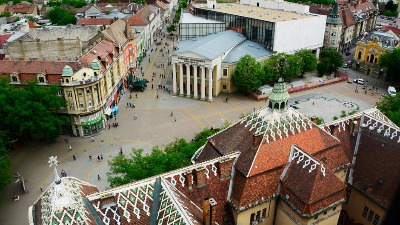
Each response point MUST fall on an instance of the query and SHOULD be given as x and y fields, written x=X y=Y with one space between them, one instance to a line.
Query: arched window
x=359 y=55
x=276 y=106
x=283 y=105
x=372 y=59
x=14 y=77
x=41 y=78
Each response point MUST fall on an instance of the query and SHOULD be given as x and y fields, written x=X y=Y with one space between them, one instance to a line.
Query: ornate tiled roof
x=63 y=201
x=306 y=181
x=376 y=169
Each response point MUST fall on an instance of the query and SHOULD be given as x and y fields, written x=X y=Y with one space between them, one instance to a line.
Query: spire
x=278 y=99
x=53 y=162
x=334 y=17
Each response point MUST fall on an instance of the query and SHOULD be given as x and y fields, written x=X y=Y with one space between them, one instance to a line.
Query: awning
x=139 y=83
x=92 y=121
x=108 y=111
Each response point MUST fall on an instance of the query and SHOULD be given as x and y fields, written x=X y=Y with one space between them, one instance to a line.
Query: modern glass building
x=192 y=26
x=256 y=30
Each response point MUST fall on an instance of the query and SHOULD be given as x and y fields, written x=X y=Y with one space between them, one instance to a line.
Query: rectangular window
x=376 y=219
x=258 y=215
x=81 y=105
x=90 y=103
x=264 y=212
x=14 y=79
x=69 y=93
x=370 y=215
x=364 y=214
x=80 y=93
x=71 y=106
x=41 y=79
x=87 y=90
x=252 y=217
x=224 y=86
x=225 y=72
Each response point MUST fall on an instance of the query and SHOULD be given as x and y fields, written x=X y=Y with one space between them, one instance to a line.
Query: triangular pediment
x=191 y=55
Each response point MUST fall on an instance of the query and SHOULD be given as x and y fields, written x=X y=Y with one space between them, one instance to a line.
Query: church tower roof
x=334 y=18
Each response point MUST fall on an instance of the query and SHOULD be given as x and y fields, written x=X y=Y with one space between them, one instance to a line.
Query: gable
x=191 y=55
x=92 y=10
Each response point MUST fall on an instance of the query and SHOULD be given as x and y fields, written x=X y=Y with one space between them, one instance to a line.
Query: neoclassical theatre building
x=202 y=67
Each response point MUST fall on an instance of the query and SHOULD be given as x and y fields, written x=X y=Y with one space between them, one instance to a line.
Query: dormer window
x=41 y=78
x=14 y=77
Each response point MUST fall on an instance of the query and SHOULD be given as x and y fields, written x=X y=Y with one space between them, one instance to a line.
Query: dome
x=279 y=96
x=67 y=71
x=95 y=64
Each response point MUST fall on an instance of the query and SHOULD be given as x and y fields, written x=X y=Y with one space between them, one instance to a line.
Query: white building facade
x=287 y=28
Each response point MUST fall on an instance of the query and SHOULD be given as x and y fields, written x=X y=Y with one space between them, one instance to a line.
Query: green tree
x=292 y=67
x=136 y=166
x=308 y=60
x=247 y=75
x=31 y=110
x=390 y=106
x=5 y=14
x=390 y=6
x=5 y=162
x=171 y=28
x=391 y=61
x=60 y=16
x=331 y=59
x=14 y=2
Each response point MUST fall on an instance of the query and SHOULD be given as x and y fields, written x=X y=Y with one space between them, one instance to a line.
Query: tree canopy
x=292 y=67
x=74 y=3
x=135 y=166
x=330 y=60
x=5 y=162
x=391 y=61
x=308 y=60
x=247 y=75
x=31 y=110
x=60 y=16
x=390 y=106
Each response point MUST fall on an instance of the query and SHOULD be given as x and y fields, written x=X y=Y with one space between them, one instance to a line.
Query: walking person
x=98 y=158
x=90 y=157
x=98 y=177
x=120 y=151
x=41 y=188
x=73 y=156
x=101 y=157
x=172 y=114
x=135 y=117
x=92 y=139
x=70 y=148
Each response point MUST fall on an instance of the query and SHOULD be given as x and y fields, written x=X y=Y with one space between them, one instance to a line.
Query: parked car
x=348 y=53
x=345 y=65
x=359 y=81
x=392 y=91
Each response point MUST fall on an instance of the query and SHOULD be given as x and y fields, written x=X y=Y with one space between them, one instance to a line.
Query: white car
x=359 y=81
x=392 y=91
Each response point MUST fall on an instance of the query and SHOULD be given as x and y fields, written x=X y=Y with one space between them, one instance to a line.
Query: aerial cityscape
x=202 y=112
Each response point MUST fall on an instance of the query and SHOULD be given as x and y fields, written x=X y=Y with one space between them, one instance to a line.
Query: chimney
x=209 y=211
x=225 y=167
x=206 y=212
x=314 y=119
x=257 y=138
x=189 y=179
x=200 y=177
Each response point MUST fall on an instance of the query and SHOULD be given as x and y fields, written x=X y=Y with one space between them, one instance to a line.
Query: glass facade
x=193 y=30
x=259 y=31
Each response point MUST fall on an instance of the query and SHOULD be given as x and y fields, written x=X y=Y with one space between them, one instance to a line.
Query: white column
x=174 y=79
x=188 y=79
x=180 y=79
x=210 y=71
x=203 y=83
x=195 y=80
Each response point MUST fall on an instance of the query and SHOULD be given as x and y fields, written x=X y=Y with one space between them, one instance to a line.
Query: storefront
x=92 y=124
